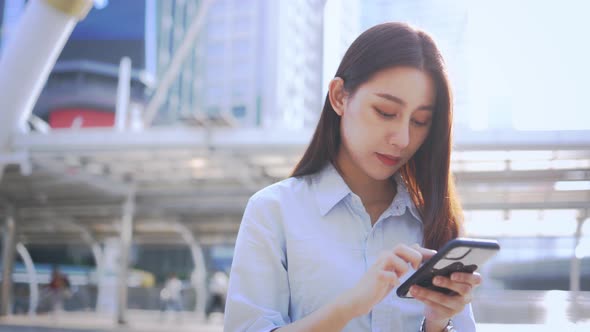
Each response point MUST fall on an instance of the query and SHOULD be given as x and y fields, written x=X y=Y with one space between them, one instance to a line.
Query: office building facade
x=259 y=61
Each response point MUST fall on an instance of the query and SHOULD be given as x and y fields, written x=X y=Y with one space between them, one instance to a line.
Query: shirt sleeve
x=464 y=321
x=258 y=294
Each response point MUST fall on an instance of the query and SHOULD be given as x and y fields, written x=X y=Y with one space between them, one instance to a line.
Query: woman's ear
x=337 y=95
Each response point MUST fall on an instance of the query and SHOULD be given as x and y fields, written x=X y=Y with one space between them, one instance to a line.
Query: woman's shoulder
x=275 y=203
x=284 y=189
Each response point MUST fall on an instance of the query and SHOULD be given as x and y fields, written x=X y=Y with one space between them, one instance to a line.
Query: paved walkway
x=151 y=321
x=138 y=321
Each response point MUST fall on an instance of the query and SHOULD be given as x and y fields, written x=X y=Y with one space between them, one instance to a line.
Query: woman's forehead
x=401 y=83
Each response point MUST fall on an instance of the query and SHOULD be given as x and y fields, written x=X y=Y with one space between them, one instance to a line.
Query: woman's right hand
x=382 y=277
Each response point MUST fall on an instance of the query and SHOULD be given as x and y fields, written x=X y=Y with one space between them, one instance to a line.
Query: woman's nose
x=400 y=136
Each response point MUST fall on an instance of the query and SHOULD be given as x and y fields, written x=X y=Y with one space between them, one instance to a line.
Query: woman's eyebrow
x=392 y=98
x=401 y=102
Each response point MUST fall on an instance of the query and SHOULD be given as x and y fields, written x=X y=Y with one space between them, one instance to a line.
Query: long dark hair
x=427 y=174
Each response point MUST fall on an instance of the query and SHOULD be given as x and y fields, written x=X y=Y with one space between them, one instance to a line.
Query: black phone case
x=463 y=262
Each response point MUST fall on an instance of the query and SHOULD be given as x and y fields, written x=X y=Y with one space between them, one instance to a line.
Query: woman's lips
x=388 y=160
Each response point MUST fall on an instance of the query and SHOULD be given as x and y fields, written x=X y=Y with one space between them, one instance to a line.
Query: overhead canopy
x=203 y=177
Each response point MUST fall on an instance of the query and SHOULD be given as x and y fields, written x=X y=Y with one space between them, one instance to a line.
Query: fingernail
x=454 y=277
x=437 y=281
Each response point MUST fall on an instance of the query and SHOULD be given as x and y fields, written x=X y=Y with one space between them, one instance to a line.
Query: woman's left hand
x=441 y=307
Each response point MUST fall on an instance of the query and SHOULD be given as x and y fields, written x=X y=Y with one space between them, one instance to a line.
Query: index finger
x=426 y=253
x=408 y=254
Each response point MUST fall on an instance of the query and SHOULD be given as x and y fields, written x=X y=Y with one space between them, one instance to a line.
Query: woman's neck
x=369 y=190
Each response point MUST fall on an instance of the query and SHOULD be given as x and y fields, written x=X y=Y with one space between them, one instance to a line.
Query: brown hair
x=427 y=174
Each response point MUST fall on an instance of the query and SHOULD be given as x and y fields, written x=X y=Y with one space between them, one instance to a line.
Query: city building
x=258 y=61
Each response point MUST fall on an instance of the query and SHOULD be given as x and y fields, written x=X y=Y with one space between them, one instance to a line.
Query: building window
x=242 y=24
x=215 y=94
x=239 y=111
x=217 y=31
x=241 y=48
x=215 y=49
x=240 y=90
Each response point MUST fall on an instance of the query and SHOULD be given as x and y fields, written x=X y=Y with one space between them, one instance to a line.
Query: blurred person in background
x=59 y=289
x=217 y=292
x=171 y=296
x=324 y=249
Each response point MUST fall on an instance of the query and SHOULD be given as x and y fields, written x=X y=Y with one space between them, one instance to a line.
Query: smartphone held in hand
x=458 y=255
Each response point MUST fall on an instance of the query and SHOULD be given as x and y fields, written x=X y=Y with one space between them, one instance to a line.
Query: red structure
x=80 y=117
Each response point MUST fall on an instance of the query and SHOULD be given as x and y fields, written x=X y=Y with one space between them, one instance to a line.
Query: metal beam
x=497 y=140
x=233 y=204
x=102 y=183
x=528 y=176
x=269 y=140
x=518 y=200
x=107 y=139
x=32 y=274
x=524 y=205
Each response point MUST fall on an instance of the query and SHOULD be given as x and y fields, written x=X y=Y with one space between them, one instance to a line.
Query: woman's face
x=385 y=121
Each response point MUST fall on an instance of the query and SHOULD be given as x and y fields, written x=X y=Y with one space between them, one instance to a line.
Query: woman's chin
x=382 y=174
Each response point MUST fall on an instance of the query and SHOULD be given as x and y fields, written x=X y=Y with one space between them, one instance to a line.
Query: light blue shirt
x=304 y=241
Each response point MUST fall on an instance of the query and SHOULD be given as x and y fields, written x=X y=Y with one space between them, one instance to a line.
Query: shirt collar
x=403 y=200
x=330 y=189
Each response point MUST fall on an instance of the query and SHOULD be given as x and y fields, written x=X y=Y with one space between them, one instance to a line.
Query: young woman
x=325 y=249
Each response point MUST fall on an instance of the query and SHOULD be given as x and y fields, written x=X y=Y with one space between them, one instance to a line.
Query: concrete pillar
x=126 y=238
x=107 y=298
x=575 y=260
x=8 y=250
x=97 y=253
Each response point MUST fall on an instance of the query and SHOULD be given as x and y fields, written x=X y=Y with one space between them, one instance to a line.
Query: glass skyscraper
x=259 y=61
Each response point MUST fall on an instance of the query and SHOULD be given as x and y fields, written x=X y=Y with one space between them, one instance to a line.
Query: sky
x=533 y=55
x=521 y=65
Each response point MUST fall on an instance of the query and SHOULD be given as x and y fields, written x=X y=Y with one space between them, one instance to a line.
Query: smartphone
x=458 y=255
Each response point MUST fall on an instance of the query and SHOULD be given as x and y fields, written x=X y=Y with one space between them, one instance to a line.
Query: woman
x=324 y=249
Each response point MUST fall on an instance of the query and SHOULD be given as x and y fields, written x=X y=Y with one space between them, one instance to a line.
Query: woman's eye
x=384 y=114
x=420 y=123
